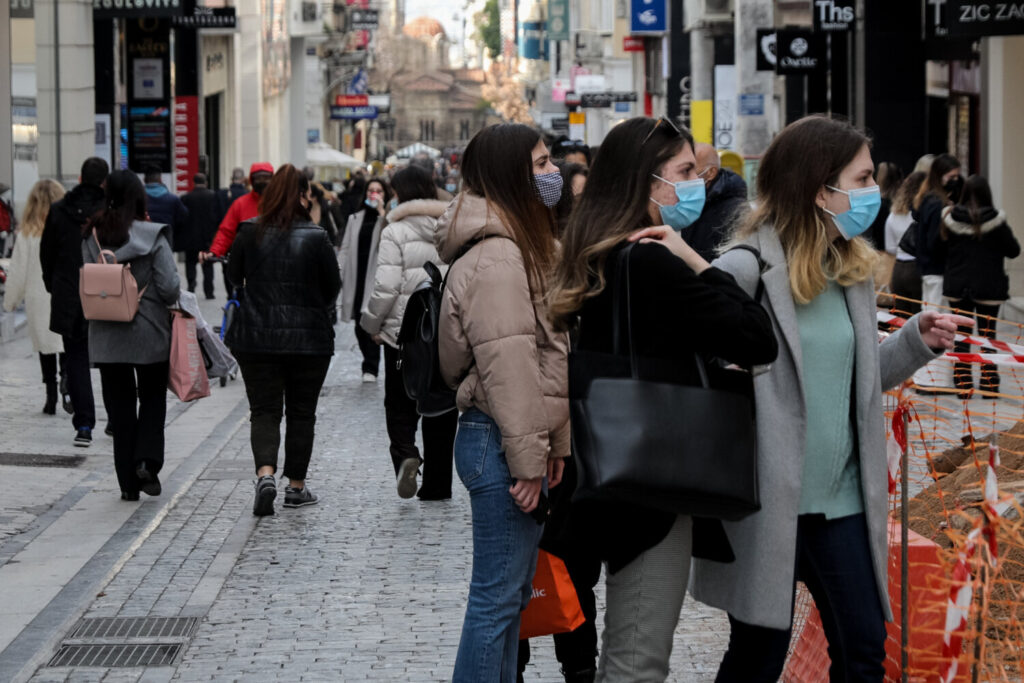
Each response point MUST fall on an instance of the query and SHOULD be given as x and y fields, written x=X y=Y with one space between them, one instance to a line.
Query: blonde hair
x=44 y=193
x=805 y=156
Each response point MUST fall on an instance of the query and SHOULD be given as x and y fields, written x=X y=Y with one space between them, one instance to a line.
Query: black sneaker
x=83 y=437
x=149 y=483
x=130 y=495
x=266 y=491
x=108 y=430
x=296 y=498
x=407 y=471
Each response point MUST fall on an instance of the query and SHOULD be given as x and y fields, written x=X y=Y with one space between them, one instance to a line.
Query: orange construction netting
x=965 y=523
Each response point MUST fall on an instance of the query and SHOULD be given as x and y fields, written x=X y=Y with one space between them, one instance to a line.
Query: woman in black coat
x=977 y=240
x=283 y=336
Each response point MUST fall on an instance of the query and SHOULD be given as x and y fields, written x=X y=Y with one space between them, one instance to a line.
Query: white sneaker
x=368 y=378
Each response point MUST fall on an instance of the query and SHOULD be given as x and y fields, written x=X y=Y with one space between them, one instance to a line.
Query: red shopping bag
x=188 y=378
x=554 y=607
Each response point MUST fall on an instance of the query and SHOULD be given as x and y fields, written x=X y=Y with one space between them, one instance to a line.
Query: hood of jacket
x=141 y=240
x=727 y=185
x=156 y=190
x=427 y=208
x=957 y=220
x=467 y=218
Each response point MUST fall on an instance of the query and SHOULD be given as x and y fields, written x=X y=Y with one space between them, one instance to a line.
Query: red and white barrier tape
x=1013 y=353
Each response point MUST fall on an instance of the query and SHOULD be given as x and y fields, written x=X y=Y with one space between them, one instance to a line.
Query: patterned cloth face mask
x=548 y=187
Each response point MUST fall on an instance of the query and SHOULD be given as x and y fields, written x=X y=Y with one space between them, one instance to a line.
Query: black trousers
x=985 y=315
x=136 y=400
x=48 y=364
x=834 y=561
x=191 y=259
x=279 y=384
x=76 y=363
x=370 y=350
x=438 y=432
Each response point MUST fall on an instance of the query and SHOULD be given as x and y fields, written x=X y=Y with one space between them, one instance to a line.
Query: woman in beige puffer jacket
x=498 y=348
x=406 y=245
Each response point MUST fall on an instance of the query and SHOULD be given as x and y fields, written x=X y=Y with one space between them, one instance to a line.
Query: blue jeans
x=504 y=556
x=834 y=561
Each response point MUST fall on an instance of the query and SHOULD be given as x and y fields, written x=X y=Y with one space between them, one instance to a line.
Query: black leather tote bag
x=643 y=436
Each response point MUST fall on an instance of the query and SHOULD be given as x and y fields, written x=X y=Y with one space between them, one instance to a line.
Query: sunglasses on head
x=662 y=121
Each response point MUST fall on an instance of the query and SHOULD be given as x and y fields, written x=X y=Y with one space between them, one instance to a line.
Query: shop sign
x=572 y=99
x=751 y=104
x=632 y=44
x=648 y=17
x=577 y=125
x=558 y=19
x=600 y=100
x=834 y=15
x=725 y=106
x=364 y=19
x=353 y=113
x=186 y=142
x=22 y=9
x=149 y=138
x=381 y=102
x=312 y=136
x=560 y=125
x=107 y=9
x=531 y=41
x=766 y=46
x=977 y=18
x=351 y=100
x=207 y=17
x=799 y=51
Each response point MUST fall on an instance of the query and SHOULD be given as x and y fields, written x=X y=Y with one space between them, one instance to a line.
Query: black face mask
x=259 y=187
x=953 y=187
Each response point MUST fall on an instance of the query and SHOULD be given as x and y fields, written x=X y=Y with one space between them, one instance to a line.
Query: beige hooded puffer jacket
x=496 y=343
x=406 y=245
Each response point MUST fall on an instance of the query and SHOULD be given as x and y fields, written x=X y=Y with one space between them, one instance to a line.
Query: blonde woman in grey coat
x=406 y=245
x=358 y=261
x=821 y=438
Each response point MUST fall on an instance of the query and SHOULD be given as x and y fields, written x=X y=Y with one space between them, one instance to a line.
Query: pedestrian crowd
x=599 y=323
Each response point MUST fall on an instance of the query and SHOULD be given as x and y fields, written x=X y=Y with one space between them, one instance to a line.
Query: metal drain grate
x=123 y=628
x=161 y=654
x=40 y=460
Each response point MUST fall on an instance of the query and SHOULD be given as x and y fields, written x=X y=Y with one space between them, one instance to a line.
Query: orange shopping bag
x=554 y=607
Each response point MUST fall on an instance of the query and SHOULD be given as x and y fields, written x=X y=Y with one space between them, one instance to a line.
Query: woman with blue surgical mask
x=820 y=420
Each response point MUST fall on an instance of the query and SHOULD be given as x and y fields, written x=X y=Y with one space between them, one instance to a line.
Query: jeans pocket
x=471 y=443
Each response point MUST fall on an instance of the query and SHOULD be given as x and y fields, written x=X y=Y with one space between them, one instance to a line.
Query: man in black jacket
x=237 y=189
x=164 y=206
x=60 y=254
x=204 y=216
x=726 y=197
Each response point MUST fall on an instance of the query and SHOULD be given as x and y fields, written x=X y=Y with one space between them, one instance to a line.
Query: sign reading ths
x=799 y=51
x=648 y=17
x=137 y=8
x=353 y=113
x=976 y=18
x=834 y=15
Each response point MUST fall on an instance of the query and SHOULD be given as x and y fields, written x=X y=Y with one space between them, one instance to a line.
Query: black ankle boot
x=581 y=676
x=51 y=399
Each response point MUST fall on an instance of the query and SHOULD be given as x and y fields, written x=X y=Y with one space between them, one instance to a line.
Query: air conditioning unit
x=716 y=11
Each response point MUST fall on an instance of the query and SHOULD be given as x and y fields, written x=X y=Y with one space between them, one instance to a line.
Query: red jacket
x=242 y=209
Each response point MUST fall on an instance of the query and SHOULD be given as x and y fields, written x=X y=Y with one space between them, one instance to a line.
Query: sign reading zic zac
x=984 y=18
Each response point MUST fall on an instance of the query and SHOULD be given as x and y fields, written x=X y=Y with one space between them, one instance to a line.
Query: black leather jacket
x=291 y=282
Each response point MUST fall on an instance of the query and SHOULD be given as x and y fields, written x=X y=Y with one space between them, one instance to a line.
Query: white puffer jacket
x=406 y=245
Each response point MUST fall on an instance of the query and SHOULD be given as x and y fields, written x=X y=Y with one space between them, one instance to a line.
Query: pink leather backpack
x=108 y=289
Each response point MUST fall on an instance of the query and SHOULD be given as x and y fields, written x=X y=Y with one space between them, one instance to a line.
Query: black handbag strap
x=622 y=273
x=761 y=267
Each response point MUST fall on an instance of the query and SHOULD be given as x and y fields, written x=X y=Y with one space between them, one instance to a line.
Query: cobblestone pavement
x=363 y=587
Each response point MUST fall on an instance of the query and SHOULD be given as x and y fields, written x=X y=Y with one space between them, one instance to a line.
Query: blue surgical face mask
x=372 y=203
x=690 y=195
x=450 y=187
x=864 y=205
x=393 y=203
x=548 y=187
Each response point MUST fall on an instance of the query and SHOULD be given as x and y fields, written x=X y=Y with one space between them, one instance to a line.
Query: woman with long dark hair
x=406 y=246
x=358 y=259
x=978 y=241
x=133 y=357
x=822 y=470
x=499 y=350
x=645 y=175
x=283 y=336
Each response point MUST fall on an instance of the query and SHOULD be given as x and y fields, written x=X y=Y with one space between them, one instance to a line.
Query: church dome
x=423 y=27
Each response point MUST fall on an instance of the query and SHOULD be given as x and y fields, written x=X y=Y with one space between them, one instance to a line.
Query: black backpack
x=418 y=357
x=417 y=348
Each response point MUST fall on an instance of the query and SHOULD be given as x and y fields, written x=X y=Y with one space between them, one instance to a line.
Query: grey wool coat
x=348 y=261
x=758 y=587
x=147 y=338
